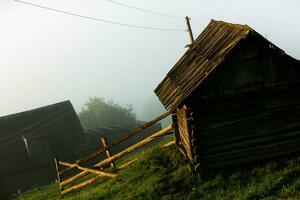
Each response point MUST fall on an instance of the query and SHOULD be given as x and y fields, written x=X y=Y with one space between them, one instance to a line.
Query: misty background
x=47 y=57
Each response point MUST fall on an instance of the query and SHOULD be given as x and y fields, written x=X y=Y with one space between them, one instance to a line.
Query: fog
x=46 y=57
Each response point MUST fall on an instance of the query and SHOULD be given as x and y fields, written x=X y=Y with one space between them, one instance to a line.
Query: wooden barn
x=235 y=98
x=29 y=141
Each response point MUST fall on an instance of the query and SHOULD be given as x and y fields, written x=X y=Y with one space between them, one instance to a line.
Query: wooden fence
x=73 y=183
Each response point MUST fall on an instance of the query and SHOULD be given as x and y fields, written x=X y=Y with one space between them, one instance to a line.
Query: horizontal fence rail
x=128 y=135
x=63 y=167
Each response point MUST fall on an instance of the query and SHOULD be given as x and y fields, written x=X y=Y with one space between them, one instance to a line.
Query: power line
x=149 y=58
x=144 y=10
x=33 y=131
x=49 y=123
x=34 y=124
x=196 y=22
x=136 y=62
x=98 y=19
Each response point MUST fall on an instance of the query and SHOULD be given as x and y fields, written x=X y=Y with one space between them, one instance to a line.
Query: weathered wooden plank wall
x=238 y=130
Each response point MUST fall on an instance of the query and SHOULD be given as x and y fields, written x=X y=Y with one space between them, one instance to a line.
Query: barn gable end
x=253 y=64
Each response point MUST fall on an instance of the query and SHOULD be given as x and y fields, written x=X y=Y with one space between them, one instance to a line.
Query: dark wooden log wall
x=251 y=127
x=247 y=110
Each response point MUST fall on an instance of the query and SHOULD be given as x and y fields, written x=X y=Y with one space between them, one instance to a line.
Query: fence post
x=58 y=174
x=107 y=151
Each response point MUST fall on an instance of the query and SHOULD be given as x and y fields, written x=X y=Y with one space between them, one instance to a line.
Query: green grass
x=162 y=173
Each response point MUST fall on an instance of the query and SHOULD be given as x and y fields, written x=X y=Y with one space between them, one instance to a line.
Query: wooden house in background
x=29 y=141
x=236 y=97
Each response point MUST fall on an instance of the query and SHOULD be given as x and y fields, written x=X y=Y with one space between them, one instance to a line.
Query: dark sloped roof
x=208 y=51
x=48 y=119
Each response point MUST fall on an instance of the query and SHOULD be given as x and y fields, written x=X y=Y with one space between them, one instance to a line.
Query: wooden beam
x=58 y=174
x=84 y=169
x=80 y=185
x=107 y=152
x=61 y=172
x=99 y=172
x=169 y=143
x=127 y=164
x=72 y=179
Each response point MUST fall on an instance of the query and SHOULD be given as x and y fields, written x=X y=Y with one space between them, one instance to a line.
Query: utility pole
x=189 y=29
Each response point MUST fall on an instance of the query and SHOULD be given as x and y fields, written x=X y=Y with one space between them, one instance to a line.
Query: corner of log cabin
x=187 y=138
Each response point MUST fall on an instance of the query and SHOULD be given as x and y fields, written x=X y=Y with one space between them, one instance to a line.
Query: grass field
x=162 y=173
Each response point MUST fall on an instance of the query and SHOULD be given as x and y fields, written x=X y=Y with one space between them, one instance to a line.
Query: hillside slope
x=161 y=173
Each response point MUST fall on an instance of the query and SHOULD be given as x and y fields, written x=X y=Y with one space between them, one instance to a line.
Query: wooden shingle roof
x=207 y=52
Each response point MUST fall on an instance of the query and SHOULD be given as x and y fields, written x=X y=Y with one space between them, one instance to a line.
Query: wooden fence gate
x=75 y=182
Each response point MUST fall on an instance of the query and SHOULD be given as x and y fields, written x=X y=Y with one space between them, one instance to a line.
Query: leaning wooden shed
x=29 y=141
x=236 y=97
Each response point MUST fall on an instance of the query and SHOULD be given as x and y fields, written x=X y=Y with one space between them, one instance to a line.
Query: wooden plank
x=184 y=131
x=99 y=172
x=84 y=170
x=81 y=174
x=248 y=142
x=253 y=158
x=248 y=152
x=58 y=174
x=72 y=179
x=61 y=172
x=80 y=185
x=107 y=152
x=127 y=164
x=169 y=143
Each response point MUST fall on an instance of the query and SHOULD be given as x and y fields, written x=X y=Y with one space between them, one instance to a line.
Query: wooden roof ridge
x=66 y=102
x=241 y=26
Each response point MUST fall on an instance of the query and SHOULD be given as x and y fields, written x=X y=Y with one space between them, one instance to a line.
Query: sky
x=47 y=57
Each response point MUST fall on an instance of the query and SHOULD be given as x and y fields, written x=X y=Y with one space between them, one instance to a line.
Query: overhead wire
x=148 y=58
x=198 y=24
x=49 y=123
x=145 y=10
x=95 y=19
x=124 y=75
x=34 y=124
x=33 y=131
x=98 y=19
